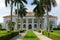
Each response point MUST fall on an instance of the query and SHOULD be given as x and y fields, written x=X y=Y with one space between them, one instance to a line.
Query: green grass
x=3 y=33
x=56 y=31
x=30 y=36
x=55 y=35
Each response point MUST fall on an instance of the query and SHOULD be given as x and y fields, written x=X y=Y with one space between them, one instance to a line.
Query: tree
x=58 y=25
x=8 y=24
x=18 y=2
x=10 y=2
x=50 y=25
x=47 y=4
x=39 y=11
x=21 y=13
x=0 y=26
x=13 y=24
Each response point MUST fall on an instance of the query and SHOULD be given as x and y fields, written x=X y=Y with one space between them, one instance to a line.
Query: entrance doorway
x=30 y=26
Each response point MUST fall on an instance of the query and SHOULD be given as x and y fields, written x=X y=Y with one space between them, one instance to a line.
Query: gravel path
x=41 y=37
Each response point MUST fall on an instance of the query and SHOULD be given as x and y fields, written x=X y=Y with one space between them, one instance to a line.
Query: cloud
x=2 y=4
x=58 y=2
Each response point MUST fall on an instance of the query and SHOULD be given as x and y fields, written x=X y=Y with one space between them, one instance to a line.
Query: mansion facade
x=30 y=22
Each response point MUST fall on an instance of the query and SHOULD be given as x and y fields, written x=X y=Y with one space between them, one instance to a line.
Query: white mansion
x=30 y=22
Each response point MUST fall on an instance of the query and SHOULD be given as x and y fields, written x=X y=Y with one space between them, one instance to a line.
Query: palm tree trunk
x=41 y=24
x=47 y=20
x=11 y=17
x=17 y=15
x=21 y=23
x=38 y=23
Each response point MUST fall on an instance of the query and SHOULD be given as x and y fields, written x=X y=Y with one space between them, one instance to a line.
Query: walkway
x=41 y=37
x=19 y=37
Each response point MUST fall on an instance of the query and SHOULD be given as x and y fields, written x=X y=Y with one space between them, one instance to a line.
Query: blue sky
x=6 y=10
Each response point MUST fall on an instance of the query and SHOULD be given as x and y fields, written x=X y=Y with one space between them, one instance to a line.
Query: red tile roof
x=30 y=13
x=7 y=16
x=51 y=16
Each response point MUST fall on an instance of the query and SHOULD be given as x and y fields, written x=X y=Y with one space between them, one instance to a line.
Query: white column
x=33 y=24
x=26 y=23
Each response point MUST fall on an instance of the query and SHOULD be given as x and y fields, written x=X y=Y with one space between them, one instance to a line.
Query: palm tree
x=17 y=2
x=39 y=11
x=11 y=4
x=0 y=26
x=47 y=6
x=21 y=12
x=50 y=25
x=13 y=24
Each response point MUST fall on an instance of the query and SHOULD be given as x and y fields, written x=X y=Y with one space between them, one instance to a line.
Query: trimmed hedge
x=22 y=31
x=56 y=28
x=38 y=31
x=52 y=35
x=2 y=29
x=8 y=36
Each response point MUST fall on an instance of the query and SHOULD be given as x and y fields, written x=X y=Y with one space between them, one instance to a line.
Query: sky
x=6 y=10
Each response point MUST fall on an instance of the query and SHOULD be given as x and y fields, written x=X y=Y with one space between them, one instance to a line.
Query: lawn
x=30 y=36
x=56 y=31
x=55 y=35
x=3 y=33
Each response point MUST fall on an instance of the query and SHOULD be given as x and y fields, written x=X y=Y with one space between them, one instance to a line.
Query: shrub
x=38 y=31
x=8 y=36
x=52 y=35
x=21 y=31
x=56 y=28
x=2 y=29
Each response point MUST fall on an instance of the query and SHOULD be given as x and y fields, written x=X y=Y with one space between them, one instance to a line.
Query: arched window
x=35 y=25
x=24 y=26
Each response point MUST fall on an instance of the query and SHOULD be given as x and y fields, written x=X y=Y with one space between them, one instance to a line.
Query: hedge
x=8 y=36
x=52 y=35
x=38 y=31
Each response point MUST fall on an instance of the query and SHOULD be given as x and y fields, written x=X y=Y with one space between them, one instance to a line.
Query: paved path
x=19 y=37
x=41 y=37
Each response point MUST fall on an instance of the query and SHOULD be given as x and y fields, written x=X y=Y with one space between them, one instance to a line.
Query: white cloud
x=58 y=2
x=2 y=4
